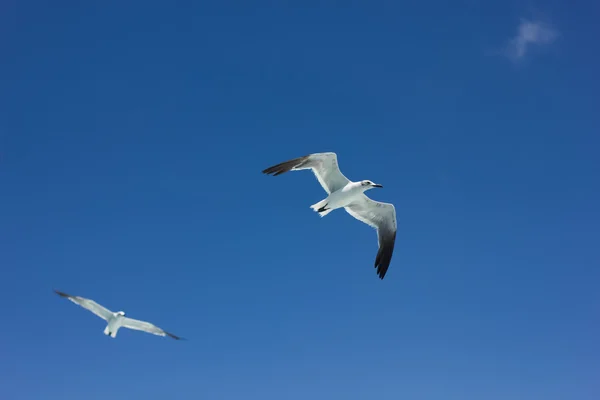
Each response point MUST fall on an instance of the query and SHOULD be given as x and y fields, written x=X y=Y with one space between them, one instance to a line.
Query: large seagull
x=115 y=320
x=343 y=193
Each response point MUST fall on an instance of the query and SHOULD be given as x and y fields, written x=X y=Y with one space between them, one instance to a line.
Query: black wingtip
x=381 y=271
x=384 y=256
x=175 y=336
x=61 y=294
x=285 y=166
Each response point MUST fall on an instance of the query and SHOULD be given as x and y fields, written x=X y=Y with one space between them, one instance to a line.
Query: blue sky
x=131 y=143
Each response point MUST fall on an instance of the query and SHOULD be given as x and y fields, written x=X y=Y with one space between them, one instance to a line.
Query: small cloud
x=530 y=33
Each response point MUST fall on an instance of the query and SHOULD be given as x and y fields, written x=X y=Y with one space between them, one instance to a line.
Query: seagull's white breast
x=345 y=195
x=114 y=322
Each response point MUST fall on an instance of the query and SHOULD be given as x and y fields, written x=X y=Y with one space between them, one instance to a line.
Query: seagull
x=343 y=193
x=115 y=320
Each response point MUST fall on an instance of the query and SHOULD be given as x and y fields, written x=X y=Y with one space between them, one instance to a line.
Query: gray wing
x=88 y=304
x=323 y=165
x=145 y=327
x=381 y=216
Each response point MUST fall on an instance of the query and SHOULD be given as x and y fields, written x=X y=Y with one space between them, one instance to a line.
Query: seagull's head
x=121 y=313
x=366 y=185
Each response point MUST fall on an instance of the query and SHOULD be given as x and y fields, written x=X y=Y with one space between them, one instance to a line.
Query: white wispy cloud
x=530 y=33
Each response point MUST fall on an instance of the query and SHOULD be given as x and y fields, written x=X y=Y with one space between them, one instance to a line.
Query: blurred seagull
x=115 y=320
x=342 y=192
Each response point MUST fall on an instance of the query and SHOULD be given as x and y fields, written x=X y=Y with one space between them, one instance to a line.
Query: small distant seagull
x=115 y=320
x=342 y=192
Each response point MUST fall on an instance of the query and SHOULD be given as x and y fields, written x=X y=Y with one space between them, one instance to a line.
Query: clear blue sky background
x=132 y=139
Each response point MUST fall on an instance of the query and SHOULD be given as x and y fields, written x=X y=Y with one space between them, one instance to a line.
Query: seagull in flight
x=115 y=320
x=343 y=193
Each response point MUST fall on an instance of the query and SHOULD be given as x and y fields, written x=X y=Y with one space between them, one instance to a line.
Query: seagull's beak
x=377 y=185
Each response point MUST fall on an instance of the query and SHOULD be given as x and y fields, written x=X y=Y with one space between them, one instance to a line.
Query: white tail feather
x=320 y=204
x=107 y=332
x=324 y=213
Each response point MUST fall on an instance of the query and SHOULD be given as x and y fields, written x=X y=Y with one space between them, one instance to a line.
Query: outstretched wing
x=381 y=216
x=88 y=304
x=146 y=327
x=324 y=166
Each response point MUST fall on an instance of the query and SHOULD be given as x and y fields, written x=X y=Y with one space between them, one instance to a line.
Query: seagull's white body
x=341 y=198
x=344 y=193
x=115 y=320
